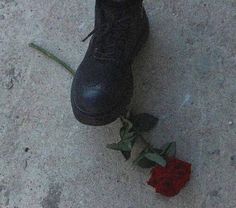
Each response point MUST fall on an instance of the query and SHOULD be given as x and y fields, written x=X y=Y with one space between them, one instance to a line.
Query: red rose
x=169 y=180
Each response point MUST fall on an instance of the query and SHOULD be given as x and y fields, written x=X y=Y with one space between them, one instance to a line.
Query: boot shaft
x=110 y=8
x=119 y=3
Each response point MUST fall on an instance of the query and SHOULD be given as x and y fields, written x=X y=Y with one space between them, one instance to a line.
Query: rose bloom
x=169 y=180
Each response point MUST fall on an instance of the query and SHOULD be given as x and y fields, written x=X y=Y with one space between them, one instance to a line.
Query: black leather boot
x=103 y=84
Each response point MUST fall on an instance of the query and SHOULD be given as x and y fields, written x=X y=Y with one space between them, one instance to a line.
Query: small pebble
x=230 y=122
x=26 y=149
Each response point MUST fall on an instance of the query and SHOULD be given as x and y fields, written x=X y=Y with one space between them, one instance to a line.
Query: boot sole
x=118 y=110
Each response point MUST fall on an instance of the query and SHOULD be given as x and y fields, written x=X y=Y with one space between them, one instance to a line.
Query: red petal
x=166 y=188
x=171 y=179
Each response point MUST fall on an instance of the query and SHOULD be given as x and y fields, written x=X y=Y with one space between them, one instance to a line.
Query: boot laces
x=110 y=37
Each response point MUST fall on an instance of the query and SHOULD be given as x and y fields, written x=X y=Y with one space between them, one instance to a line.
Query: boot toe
x=100 y=92
x=92 y=100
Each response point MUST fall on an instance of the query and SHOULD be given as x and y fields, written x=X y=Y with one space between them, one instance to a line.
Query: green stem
x=53 y=57
x=147 y=145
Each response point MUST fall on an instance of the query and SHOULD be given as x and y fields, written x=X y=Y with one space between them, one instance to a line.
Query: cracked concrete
x=185 y=75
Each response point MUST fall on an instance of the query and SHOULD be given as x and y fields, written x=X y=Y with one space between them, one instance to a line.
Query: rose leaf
x=156 y=158
x=121 y=146
x=144 y=122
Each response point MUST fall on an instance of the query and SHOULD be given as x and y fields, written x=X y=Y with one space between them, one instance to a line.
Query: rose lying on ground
x=169 y=180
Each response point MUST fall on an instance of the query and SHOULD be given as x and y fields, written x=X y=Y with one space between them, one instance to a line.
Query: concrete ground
x=185 y=75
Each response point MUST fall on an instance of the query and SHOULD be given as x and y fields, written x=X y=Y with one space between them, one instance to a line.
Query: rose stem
x=147 y=145
x=53 y=57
